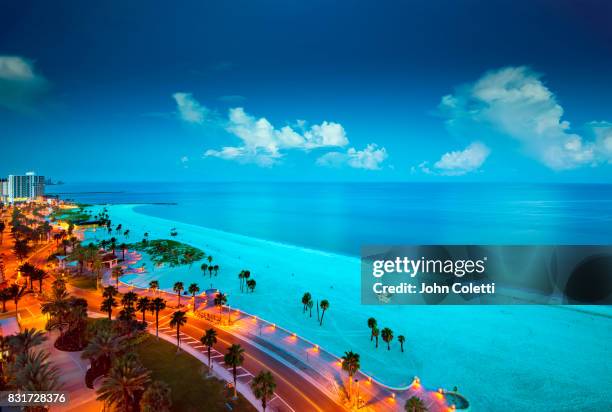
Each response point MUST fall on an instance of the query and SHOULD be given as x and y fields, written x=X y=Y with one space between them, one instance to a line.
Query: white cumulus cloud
x=264 y=144
x=20 y=85
x=245 y=155
x=463 y=161
x=369 y=158
x=514 y=102
x=189 y=109
x=458 y=162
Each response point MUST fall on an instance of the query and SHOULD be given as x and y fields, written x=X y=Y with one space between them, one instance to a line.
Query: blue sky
x=288 y=90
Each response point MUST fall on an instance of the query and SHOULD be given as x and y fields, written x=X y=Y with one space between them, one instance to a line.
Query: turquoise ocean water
x=531 y=358
x=341 y=217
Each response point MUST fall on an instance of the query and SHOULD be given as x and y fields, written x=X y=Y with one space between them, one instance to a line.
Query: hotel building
x=22 y=188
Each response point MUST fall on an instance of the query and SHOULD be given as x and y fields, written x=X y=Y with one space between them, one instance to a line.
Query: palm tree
x=17 y=293
x=27 y=269
x=39 y=275
x=305 y=299
x=177 y=320
x=414 y=404
x=203 y=267
x=310 y=304
x=375 y=333
x=110 y=291
x=34 y=372
x=124 y=384
x=178 y=288
x=117 y=272
x=65 y=244
x=78 y=254
x=263 y=387
x=209 y=339
x=22 y=342
x=251 y=283
x=401 y=339
x=4 y=361
x=157 y=305
x=108 y=303
x=234 y=358
x=97 y=267
x=387 y=336
x=5 y=295
x=157 y=398
x=129 y=299
x=372 y=324
x=154 y=285
x=220 y=300
x=57 y=306
x=104 y=348
x=324 y=307
x=21 y=249
x=241 y=278
x=350 y=364
x=123 y=248
x=143 y=304
x=193 y=289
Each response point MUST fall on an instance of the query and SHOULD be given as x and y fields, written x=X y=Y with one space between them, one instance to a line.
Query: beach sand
x=501 y=357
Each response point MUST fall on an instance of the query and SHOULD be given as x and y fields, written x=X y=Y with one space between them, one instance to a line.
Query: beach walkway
x=316 y=366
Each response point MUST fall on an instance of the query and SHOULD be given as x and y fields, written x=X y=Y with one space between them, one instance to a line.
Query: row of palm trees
x=131 y=304
x=209 y=267
x=308 y=303
x=263 y=385
x=385 y=333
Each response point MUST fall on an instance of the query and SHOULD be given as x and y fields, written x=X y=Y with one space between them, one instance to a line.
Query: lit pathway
x=195 y=348
x=316 y=366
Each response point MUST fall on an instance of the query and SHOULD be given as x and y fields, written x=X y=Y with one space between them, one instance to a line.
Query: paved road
x=293 y=391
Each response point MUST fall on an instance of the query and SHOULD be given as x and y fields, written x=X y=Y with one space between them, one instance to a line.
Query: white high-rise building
x=21 y=188
x=3 y=190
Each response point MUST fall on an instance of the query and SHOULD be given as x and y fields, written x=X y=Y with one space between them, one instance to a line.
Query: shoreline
x=226 y=233
x=428 y=355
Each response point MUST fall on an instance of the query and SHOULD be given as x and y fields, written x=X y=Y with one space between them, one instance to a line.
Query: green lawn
x=185 y=375
x=169 y=251
x=83 y=282
x=70 y=215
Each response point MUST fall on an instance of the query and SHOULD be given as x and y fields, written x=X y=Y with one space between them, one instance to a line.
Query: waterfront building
x=3 y=190
x=23 y=188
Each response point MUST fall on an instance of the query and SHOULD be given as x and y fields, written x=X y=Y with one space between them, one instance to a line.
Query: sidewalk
x=72 y=376
x=324 y=369
x=321 y=368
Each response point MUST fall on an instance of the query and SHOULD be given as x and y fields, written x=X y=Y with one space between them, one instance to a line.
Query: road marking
x=263 y=365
